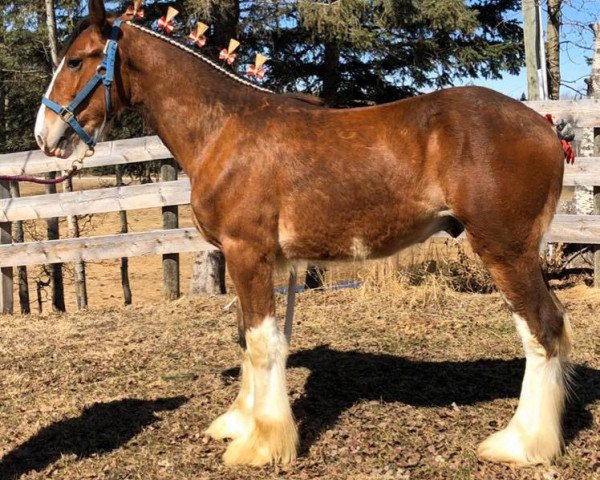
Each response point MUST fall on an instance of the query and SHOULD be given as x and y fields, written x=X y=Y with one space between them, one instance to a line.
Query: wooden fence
x=584 y=229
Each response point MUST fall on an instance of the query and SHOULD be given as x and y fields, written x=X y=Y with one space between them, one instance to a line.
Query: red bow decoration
x=135 y=10
x=166 y=23
x=198 y=37
x=257 y=70
x=569 y=153
x=227 y=53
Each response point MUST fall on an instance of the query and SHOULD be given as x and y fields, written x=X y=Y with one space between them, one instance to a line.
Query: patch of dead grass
x=387 y=382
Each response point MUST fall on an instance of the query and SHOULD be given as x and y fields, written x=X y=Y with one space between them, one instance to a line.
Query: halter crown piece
x=105 y=74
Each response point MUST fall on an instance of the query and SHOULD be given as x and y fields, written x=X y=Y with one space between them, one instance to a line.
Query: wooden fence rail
x=102 y=200
x=584 y=229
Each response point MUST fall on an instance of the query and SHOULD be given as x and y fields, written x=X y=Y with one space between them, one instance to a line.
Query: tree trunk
x=124 y=229
x=530 y=40
x=595 y=86
x=208 y=274
x=80 y=282
x=331 y=75
x=553 y=48
x=595 y=78
x=19 y=237
x=584 y=196
x=51 y=25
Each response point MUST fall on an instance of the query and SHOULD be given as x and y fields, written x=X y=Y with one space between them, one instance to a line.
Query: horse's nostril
x=40 y=141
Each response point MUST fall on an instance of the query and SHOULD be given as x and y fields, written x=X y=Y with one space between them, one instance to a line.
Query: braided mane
x=205 y=59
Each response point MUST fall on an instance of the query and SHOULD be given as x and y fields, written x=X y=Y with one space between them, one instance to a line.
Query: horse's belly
x=356 y=238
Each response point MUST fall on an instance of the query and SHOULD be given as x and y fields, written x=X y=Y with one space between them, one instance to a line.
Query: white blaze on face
x=41 y=128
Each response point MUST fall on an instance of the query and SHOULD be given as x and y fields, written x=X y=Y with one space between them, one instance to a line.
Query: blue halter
x=67 y=114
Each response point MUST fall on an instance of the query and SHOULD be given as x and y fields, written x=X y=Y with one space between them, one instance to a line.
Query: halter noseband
x=67 y=114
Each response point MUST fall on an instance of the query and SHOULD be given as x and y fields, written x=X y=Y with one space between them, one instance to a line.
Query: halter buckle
x=66 y=114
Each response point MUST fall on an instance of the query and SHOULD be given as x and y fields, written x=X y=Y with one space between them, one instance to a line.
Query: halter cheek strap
x=105 y=74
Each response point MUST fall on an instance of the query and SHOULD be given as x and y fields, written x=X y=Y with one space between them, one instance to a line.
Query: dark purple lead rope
x=41 y=181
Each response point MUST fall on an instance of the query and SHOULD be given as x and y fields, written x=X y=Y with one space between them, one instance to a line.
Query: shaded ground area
x=391 y=383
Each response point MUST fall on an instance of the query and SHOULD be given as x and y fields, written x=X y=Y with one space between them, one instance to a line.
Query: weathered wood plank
x=582 y=113
x=583 y=229
x=156 y=242
x=575 y=229
x=566 y=228
x=6 y=272
x=143 y=149
x=96 y=201
x=585 y=171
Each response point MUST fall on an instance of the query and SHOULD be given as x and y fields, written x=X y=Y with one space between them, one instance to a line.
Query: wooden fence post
x=124 y=229
x=6 y=273
x=56 y=269
x=596 y=212
x=80 y=281
x=171 y=290
x=208 y=274
x=22 y=269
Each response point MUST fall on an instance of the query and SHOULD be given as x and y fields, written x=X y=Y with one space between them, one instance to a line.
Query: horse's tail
x=566 y=134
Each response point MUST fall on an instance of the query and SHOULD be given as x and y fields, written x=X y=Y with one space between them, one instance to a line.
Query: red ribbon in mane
x=166 y=26
x=569 y=153
x=255 y=71
x=199 y=41
x=228 y=57
x=139 y=13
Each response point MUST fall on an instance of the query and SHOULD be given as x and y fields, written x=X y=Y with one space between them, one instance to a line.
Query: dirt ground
x=386 y=383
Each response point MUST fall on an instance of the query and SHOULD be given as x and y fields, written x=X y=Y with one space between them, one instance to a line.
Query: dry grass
x=400 y=379
x=386 y=381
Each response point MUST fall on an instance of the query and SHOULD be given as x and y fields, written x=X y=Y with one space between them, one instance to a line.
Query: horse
x=280 y=179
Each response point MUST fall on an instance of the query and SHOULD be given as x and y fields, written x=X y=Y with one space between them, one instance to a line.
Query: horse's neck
x=186 y=101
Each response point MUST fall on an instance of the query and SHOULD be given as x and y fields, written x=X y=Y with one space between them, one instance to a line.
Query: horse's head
x=83 y=93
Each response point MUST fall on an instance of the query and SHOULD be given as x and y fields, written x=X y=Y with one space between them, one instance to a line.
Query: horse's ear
x=97 y=12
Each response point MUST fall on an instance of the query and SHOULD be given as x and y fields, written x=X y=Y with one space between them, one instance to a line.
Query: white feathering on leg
x=533 y=435
x=238 y=421
x=274 y=438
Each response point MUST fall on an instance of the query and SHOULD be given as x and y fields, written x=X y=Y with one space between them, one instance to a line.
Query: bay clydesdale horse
x=275 y=178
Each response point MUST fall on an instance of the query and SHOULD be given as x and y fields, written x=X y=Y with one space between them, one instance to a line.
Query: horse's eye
x=74 y=63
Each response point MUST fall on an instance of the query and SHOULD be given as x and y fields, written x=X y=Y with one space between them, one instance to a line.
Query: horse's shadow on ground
x=101 y=428
x=340 y=379
x=337 y=380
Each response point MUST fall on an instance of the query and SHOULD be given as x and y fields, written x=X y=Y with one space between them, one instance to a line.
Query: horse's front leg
x=260 y=421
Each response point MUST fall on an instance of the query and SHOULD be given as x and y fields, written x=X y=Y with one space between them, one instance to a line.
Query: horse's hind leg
x=260 y=420
x=534 y=433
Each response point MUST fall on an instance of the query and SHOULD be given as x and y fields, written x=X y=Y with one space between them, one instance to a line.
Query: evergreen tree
x=373 y=51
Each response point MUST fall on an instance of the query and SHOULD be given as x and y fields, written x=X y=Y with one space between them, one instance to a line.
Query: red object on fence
x=569 y=153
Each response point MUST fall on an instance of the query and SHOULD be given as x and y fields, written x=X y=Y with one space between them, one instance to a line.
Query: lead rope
x=75 y=166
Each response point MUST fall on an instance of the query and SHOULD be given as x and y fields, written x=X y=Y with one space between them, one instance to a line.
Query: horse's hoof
x=232 y=424
x=267 y=443
x=511 y=445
